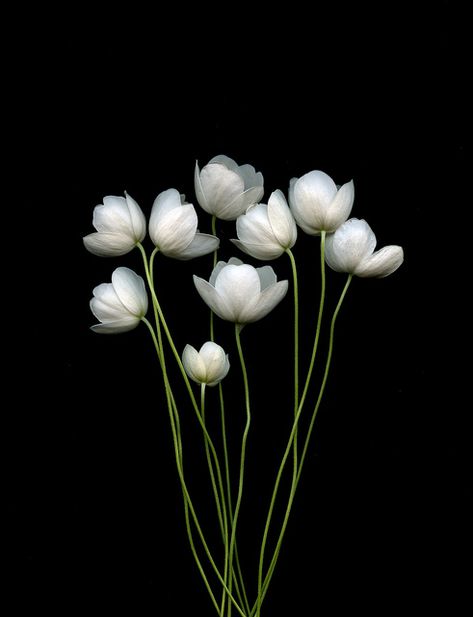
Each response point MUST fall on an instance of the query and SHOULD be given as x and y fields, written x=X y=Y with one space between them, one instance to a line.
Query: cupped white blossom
x=266 y=231
x=120 y=225
x=241 y=293
x=351 y=249
x=207 y=366
x=121 y=304
x=318 y=204
x=173 y=228
x=225 y=189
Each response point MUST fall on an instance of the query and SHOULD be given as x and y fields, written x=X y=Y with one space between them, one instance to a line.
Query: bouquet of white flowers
x=240 y=293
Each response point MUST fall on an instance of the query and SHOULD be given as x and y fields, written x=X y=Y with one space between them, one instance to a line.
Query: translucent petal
x=194 y=364
x=113 y=217
x=213 y=300
x=202 y=244
x=267 y=300
x=281 y=220
x=108 y=244
x=138 y=219
x=115 y=327
x=164 y=203
x=130 y=288
x=349 y=245
x=237 y=286
x=340 y=208
x=265 y=252
x=220 y=187
x=175 y=230
x=254 y=226
x=381 y=263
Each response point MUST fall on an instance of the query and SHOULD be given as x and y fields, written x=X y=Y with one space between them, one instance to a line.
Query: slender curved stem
x=296 y=350
x=306 y=443
x=243 y=449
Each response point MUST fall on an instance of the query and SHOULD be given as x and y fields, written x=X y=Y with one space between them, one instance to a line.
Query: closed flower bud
x=225 y=189
x=173 y=228
x=266 y=231
x=317 y=204
x=241 y=293
x=207 y=366
x=121 y=304
x=351 y=249
x=120 y=225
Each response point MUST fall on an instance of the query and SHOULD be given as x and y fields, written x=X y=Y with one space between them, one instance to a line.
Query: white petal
x=220 y=187
x=254 y=226
x=202 y=244
x=115 y=327
x=138 y=219
x=251 y=178
x=267 y=276
x=199 y=191
x=194 y=364
x=240 y=203
x=340 y=207
x=237 y=286
x=213 y=300
x=349 y=245
x=175 y=230
x=213 y=357
x=106 y=305
x=381 y=263
x=226 y=161
x=108 y=244
x=130 y=288
x=312 y=195
x=265 y=252
x=281 y=219
x=113 y=217
x=164 y=203
x=266 y=301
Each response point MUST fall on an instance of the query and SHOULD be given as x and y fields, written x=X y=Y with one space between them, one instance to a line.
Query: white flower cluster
x=236 y=291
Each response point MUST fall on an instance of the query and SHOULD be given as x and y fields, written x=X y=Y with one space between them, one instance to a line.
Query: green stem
x=223 y=521
x=307 y=440
x=238 y=576
x=296 y=350
x=214 y=233
x=243 y=449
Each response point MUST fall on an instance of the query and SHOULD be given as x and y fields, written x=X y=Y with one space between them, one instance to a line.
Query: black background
x=94 y=508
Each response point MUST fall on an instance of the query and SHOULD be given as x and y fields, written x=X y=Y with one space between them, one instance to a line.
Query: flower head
x=317 y=204
x=121 y=304
x=173 y=228
x=241 y=293
x=266 y=231
x=120 y=225
x=225 y=189
x=207 y=366
x=351 y=249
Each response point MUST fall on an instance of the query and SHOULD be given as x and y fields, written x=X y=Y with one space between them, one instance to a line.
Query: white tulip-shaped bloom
x=173 y=228
x=207 y=366
x=120 y=225
x=317 y=204
x=266 y=231
x=225 y=189
x=351 y=249
x=121 y=304
x=241 y=293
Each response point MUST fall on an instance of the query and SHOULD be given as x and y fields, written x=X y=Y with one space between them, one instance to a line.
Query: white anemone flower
x=225 y=189
x=241 y=293
x=121 y=304
x=173 y=228
x=352 y=249
x=318 y=204
x=207 y=366
x=120 y=225
x=267 y=231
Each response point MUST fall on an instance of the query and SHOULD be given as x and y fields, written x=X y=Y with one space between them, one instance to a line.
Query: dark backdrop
x=94 y=508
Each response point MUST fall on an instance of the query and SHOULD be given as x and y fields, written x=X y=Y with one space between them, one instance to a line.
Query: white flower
x=317 y=204
x=241 y=293
x=209 y=365
x=173 y=228
x=266 y=231
x=120 y=225
x=121 y=304
x=351 y=249
x=225 y=189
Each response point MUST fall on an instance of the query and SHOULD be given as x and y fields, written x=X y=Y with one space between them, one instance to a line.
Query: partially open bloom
x=173 y=228
x=317 y=204
x=241 y=293
x=351 y=249
x=121 y=304
x=207 y=366
x=266 y=231
x=225 y=189
x=120 y=225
